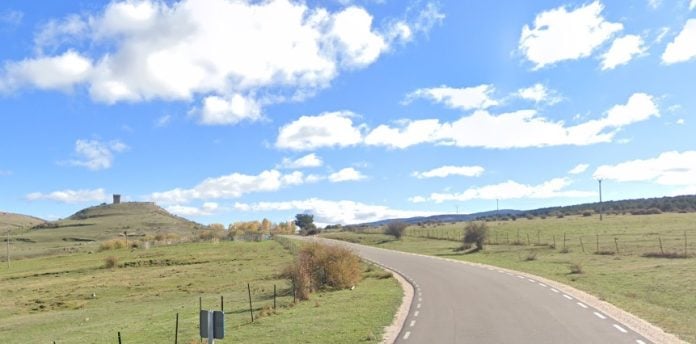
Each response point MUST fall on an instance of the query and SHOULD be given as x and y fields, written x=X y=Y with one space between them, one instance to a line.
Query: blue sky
x=354 y=111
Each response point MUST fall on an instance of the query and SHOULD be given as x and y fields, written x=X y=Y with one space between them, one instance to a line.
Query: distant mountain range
x=631 y=206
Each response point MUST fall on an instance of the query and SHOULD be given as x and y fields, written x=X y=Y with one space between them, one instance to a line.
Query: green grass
x=50 y=298
x=660 y=290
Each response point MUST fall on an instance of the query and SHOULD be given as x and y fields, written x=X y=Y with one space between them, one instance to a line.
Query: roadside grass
x=74 y=298
x=659 y=290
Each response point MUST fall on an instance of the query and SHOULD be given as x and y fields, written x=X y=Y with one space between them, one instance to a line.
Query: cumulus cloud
x=622 y=51
x=207 y=209
x=230 y=186
x=446 y=171
x=518 y=129
x=669 y=168
x=345 y=175
x=683 y=47
x=580 y=168
x=468 y=98
x=692 y=5
x=307 y=161
x=554 y=188
x=95 y=154
x=329 y=129
x=333 y=212
x=70 y=196
x=538 y=93
x=561 y=34
x=219 y=52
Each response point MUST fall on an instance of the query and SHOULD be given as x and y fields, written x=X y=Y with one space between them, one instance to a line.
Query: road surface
x=462 y=303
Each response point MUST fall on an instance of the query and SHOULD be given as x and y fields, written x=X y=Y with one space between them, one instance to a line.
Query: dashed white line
x=554 y=290
x=407 y=334
x=531 y=280
x=518 y=276
x=640 y=341
x=542 y=284
x=420 y=299
x=418 y=305
x=567 y=297
x=413 y=322
x=415 y=314
x=600 y=315
x=620 y=328
x=582 y=305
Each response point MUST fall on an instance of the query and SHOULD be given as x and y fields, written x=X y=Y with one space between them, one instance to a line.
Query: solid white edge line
x=620 y=328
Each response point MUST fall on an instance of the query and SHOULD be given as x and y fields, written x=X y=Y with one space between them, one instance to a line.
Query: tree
x=395 y=229
x=266 y=225
x=306 y=224
x=476 y=233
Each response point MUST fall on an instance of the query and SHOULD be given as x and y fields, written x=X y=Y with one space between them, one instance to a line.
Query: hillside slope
x=18 y=221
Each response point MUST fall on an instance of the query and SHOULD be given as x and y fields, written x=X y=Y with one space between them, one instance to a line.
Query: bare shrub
x=113 y=244
x=110 y=262
x=669 y=255
x=317 y=266
x=476 y=233
x=396 y=229
x=575 y=268
x=604 y=253
x=532 y=255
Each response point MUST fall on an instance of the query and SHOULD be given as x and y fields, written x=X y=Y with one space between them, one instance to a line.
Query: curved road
x=461 y=303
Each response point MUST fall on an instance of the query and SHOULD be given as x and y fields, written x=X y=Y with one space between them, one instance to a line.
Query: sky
x=354 y=111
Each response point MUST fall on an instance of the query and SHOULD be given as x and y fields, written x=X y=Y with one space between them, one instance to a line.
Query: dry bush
x=669 y=255
x=113 y=244
x=532 y=255
x=110 y=262
x=476 y=233
x=575 y=268
x=317 y=266
x=395 y=229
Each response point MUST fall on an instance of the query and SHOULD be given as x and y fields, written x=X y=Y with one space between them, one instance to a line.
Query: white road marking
x=600 y=315
x=420 y=299
x=542 y=284
x=518 y=276
x=531 y=280
x=640 y=341
x=407 y=334
x=554 y=290
x=415 y=314
x=620 y=328
x=413 y=322
x=567 y=297
x=418 y=306
x=582 y=305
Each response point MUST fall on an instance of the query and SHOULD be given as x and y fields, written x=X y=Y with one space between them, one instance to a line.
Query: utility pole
x=600 y=200
x=457 y=209
x=8 y=248
x=497 y=210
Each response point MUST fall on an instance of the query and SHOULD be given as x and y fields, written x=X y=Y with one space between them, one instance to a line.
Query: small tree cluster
x=317 y=266
x=306 y=224
x=396 y=229
x=476 y=233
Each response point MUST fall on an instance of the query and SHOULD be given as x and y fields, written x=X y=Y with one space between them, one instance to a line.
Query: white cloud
x=580 y=168
x=538 y=93
x=59 y=72
x=309 y=160
x=163 y=121
x=513 y=130
x=97 y=155
x=622 y=50
x=345 y=175
x=477 y=97
x=222 y=53
x=520 y=129
x=654 y=3
x=334 y=212
x=11 y=17
x=692 y=5
x=683 y=47
x=561 y=34
x=669 y=168
x=230 y=186
x=680 y=121
x=446 y=171
x=329 y=129
x=70 y=196
x=554 y=188
x=207 y=209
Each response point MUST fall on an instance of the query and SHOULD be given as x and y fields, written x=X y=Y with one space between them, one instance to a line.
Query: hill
x=442 y=218
x=86 y=227
x=18 y=221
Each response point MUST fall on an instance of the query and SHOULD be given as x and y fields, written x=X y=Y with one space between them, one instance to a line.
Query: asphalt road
x=460 y=303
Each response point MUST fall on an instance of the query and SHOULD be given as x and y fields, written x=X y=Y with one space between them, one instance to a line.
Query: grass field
x=660 y=290
x=75 y=299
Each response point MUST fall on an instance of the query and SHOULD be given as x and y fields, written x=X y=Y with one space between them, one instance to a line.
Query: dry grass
x=113 y=244
x=110 y=262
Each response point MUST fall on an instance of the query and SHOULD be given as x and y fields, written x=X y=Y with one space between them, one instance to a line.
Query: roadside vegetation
x=89 y=297
x=619 y=259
